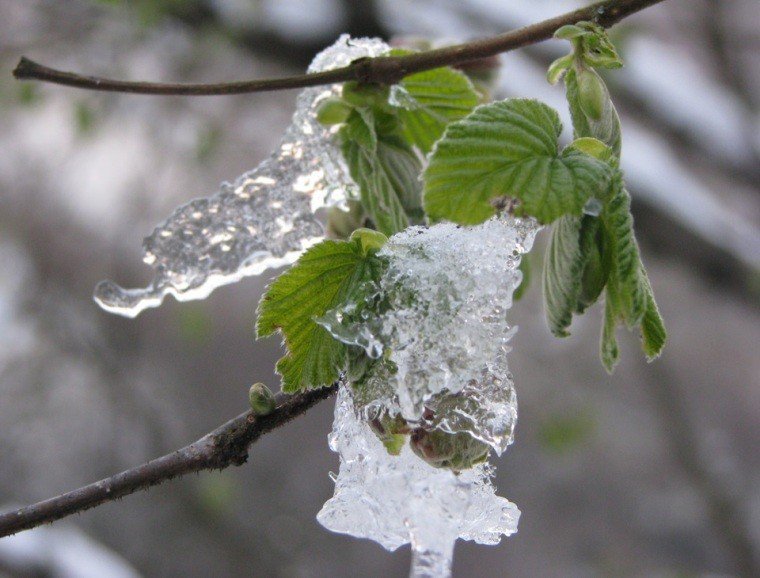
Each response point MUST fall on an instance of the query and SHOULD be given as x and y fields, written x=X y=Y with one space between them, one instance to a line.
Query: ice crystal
x=265 y=219
x=443 y=330
x=396 y=500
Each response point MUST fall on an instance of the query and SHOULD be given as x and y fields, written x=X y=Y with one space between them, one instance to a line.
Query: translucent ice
x=444 y=328
x=396 y=500
x=266 y=219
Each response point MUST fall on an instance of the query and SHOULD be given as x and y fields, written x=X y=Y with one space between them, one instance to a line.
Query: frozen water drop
x=593 y=207
x=265 y=219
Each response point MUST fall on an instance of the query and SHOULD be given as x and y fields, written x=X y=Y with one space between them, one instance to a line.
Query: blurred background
x=651 y=472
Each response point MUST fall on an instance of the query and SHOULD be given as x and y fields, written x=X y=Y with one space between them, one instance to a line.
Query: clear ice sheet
x=265 y=219
x=446 y=330
x=395 y=500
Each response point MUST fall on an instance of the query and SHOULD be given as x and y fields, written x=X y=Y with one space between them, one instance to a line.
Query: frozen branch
x=383 y=70
x=225 y=446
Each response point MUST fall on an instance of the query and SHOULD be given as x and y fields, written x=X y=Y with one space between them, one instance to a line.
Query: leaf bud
x=592 y=93
x=261 y=399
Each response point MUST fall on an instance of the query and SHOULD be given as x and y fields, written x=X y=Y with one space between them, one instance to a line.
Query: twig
x=225 y=446
x=228 y=444
x=382 y=70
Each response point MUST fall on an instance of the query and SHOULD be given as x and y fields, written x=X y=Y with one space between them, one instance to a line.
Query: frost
x=442 y=330
x=265 y=219
x=396 y=500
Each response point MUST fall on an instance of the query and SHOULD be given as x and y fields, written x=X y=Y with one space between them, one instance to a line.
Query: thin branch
x=225 y=446
x=384 y=70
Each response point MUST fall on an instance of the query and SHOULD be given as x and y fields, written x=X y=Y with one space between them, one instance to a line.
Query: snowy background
x=652 y=472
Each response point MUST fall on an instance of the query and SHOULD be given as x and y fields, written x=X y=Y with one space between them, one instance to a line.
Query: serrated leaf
x=653 y=334
x=437 y=98
x=527 y=274
x=508 y=148
x=607 y=127
x=609 y=352
x=326 y=276
x=625 y=263
x=572 y=244
x=384 y=168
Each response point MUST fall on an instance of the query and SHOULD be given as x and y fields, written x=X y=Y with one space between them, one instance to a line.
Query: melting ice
x=265 y=219
x=396 y=500
x=448 y=289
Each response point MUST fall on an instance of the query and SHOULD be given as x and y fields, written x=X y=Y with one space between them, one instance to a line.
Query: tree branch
x=383 y=70
x=225 y=446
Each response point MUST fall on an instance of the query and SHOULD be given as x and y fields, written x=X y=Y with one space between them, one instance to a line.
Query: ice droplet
x=265 y=219
x=444 y=329
x=396 y=500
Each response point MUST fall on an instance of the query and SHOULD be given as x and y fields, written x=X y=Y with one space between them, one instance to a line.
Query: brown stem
x=383 y=70
x=225 y=446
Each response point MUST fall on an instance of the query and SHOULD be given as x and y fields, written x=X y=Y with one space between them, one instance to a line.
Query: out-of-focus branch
x=383 y=70
x=225 y=446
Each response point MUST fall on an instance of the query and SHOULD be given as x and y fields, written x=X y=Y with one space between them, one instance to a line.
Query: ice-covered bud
x=456 y=452
x=261 y=399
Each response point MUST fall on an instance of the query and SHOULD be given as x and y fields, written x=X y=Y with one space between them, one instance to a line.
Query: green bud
x=371 y=95
x=558 y=68
x=457 y=452
x=592 y=93
x=593 y=147
x=392 y=431
x=333 y=111
x=595 y=272
x=261 y=399
x=369 y=240
x=569 y=31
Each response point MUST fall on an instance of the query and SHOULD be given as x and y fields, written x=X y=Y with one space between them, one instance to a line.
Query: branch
x=384 y=70
x=225 y=446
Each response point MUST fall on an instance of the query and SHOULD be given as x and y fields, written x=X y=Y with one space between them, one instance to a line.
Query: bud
x=369 y=95
x=261 y=399
x=333 y=111
x=369 y=240
x=457 y=452
x=592 y=94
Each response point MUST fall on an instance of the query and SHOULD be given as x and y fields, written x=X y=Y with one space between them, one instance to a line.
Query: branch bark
x=383 y=70
x=225 y=446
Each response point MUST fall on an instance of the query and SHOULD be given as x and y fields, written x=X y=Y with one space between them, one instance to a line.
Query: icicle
x=266 y=219
x=396 y=500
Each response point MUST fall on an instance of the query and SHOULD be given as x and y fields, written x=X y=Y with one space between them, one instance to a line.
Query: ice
x=396 y=500
x=265 y=219
x=443 y=331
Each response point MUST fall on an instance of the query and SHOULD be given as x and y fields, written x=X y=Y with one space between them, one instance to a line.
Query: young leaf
x=384 y=167
x=326 y=276
x=508 y=148
x=572 y=245
x=625 y=264
x=438 y=97
x=653 y=334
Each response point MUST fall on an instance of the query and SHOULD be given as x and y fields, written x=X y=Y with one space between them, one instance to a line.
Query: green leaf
x=653 y=334
x=508 y=148
x=570 y=249
x=625 y=265
x=326 y=276
x=385 y=168
x=609 y=352
x=525 y=269
x=435 y=98
x=606 y=126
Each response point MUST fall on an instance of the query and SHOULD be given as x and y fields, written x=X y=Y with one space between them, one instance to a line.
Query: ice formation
x=396 y=500
x=443 y=333
x=266 y=219
x=444 y=329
